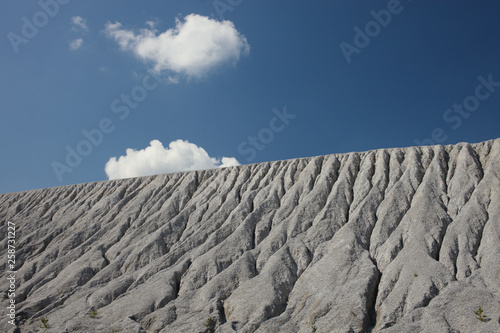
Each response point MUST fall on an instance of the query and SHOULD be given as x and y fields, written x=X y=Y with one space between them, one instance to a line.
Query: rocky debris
x=392 y=240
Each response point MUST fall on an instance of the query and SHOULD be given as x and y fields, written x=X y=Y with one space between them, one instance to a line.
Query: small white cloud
x=156 y=159
x=79 y=23
x=79 y=28
x=74 y=45
x=173 y=79
x=197 y=45
x=151 y=25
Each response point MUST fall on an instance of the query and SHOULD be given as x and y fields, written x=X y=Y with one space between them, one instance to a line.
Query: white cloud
x=79 y=23
x=74 y=45
x=79 y=28
x=197 y=45
x=155 y=159
x=151 y=24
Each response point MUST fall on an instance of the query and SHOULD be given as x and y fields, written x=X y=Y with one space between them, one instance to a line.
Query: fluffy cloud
x=156 y=159
x=197 y=45
x=79 y=28
x=79 y=23
x=74 y=45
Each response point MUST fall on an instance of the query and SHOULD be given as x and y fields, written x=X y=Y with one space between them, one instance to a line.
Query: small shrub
x=480 y=315
x=313 y=327
x=60 y=293
x=45 y=323
x=415 y=274
x=93 y=313
x=210 y=325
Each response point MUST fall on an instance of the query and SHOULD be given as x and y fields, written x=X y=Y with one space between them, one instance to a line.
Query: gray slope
x=393 y=240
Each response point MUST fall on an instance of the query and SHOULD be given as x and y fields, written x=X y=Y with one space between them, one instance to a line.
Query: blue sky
x=277 y=80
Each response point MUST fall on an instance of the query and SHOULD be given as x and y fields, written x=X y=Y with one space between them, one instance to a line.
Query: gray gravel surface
x=391 y=240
